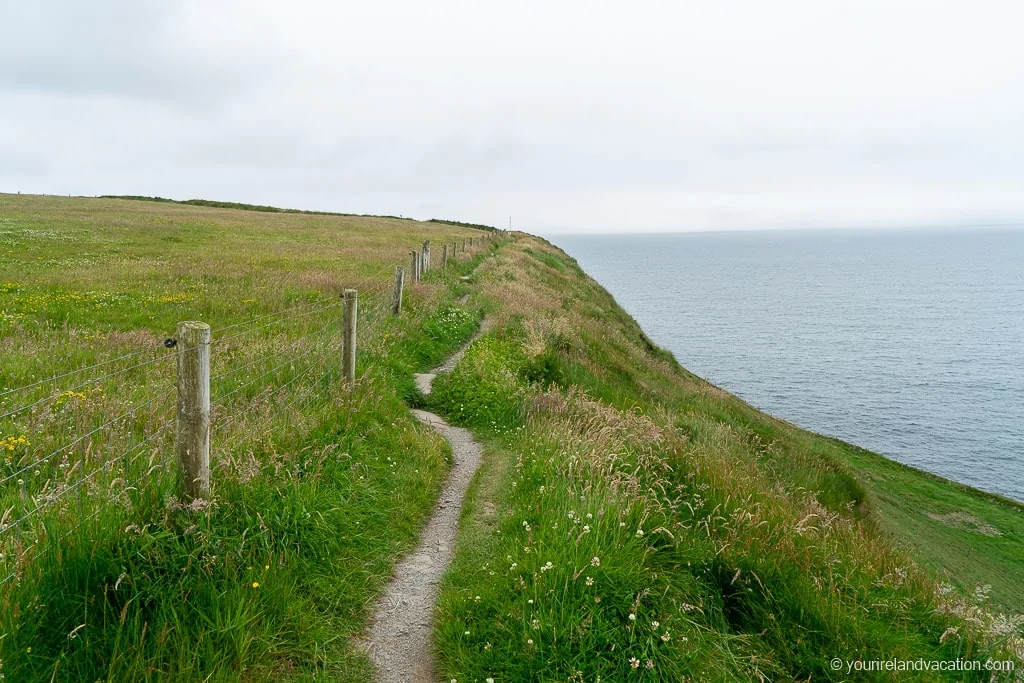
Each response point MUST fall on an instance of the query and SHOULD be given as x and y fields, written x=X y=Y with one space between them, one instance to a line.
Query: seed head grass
x=316 y=490
x=632 y=522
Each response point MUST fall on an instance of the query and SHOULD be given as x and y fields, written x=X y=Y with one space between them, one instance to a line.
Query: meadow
x=629 y=522
x=108 y=574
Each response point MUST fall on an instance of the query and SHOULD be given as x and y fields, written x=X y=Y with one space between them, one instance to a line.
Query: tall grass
x=316 y=490
x=634 y=523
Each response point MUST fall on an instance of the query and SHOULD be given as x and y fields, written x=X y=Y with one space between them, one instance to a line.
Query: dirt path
x=398 y=640
x=424 y=381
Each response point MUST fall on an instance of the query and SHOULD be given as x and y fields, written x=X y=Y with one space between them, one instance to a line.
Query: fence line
x=80 y=439
x=67 y=534
x=7 y=392
x=263 y=359
x=54 y=397
x=221 y=340
x=324 y=300
x=296 y=390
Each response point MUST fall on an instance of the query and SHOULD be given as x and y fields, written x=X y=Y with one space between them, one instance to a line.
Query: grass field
x=316 y=491
x=629 y=522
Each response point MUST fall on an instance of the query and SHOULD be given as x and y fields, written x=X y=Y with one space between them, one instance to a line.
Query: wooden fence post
x=193 y=437
x=396 y=297
x=426 y=258
x=348 y=338
x=414 y=272
x=444 y=255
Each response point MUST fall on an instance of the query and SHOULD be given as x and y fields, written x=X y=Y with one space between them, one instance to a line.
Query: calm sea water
x=908 y=343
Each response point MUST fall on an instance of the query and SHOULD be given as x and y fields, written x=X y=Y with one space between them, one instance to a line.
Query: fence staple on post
x=348 y=338
x=193 y=418
x=396 y=297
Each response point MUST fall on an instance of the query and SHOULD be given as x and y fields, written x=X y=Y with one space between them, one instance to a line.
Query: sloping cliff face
x=631 y=519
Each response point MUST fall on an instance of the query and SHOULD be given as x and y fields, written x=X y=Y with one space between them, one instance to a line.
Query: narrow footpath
x=398 y=641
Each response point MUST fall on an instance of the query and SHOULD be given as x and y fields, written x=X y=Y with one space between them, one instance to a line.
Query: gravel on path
x=399 y=637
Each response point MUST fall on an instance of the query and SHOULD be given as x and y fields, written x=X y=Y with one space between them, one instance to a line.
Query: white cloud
x=570 y=116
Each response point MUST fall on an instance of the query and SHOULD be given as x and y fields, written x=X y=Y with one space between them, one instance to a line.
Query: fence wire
x=251 y=401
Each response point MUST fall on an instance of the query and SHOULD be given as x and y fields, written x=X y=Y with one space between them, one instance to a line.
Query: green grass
x=632 y=522
x=316 y=491
x=971 y=538
x=629 y=521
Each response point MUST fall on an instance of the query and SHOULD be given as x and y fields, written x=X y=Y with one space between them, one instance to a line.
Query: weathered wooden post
x=444 y=255
x=414 y=271
x=193 y=437
x=396 y=296
x=426 y=258
x=348 y=338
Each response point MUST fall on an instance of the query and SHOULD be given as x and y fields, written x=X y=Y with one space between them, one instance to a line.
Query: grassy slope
x=971 y=538
x=688 y=535
x=316 y=491
x=764 y=548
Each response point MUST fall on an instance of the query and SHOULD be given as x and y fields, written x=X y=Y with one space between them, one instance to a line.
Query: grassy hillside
x=316 y=491
x=633 y=522
x=630 y=521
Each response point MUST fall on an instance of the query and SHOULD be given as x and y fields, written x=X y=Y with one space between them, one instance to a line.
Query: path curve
x=398 y=641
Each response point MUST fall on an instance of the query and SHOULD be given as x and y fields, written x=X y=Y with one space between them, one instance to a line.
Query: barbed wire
x=7 y=392
x=237 y=389
x=277 y=314
x=94 y=380
x=294 y=342
x=236 y=418
x=221 y=340
x=368 y=283
x=308 y=385
x=106 y=465
x=67 y=534
x=81 y=438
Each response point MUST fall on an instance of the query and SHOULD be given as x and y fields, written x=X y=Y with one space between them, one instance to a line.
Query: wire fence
x=79 y=445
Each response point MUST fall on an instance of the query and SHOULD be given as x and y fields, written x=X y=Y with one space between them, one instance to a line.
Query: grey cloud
x=135 y=49
x=571 y=116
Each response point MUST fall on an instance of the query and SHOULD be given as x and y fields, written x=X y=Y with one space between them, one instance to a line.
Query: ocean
x=908 y=343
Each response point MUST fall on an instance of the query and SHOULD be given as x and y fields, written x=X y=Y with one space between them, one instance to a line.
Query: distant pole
x=348 y=339
x=396 y=297
x=444 y=256
x=193 y=437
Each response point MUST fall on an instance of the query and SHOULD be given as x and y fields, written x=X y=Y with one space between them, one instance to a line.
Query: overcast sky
x=568 y=116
